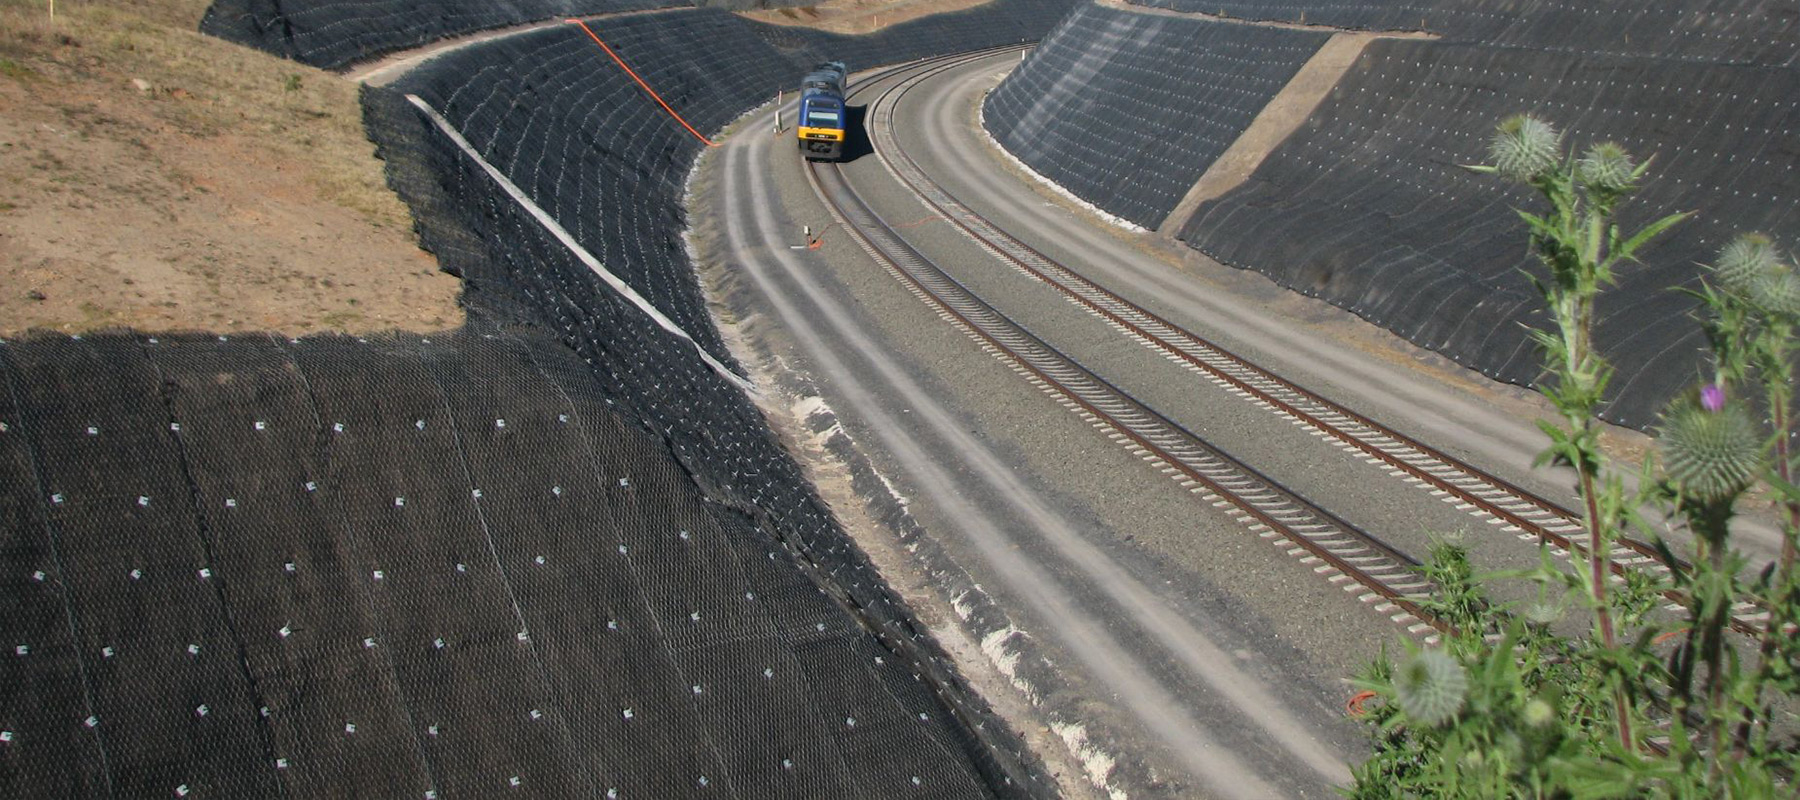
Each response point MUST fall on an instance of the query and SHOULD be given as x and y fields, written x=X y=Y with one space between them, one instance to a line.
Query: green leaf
x=1629 y=249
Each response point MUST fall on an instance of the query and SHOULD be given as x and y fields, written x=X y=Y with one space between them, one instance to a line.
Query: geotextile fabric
x=330 y=34
x=552 y=553
x=582 y=140
x=410 y=566
x=1730 y=31
x=991 y=24
x=1127 y=110
x=1367 y=207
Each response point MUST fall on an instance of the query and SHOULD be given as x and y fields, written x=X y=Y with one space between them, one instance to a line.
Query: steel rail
x=1465 y=486
x=1386 y=577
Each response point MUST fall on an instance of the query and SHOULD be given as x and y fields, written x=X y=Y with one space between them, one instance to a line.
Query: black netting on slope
x=1127 y=110
x=43 y=755
x=409 y=565
x=556 y=114
x=1734 y=31
x=335 y=33
x=587 y=144
x=991 y=24
x=746 y=5
x=1458 y=18
x=149 y=681
x=1365 y=206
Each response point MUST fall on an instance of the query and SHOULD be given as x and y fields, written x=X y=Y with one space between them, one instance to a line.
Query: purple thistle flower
x=1712 y=397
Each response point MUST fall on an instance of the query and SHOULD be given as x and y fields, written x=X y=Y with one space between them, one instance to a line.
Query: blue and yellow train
x=822 y=113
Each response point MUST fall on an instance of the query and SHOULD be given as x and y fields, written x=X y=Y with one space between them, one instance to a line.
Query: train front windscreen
x=821 y=128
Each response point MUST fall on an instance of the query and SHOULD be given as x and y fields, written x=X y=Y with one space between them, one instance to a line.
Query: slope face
x=1127 y=110
x=1364 y=204
x=391 y=567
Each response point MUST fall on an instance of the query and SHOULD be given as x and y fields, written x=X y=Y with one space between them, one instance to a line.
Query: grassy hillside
x=158 y=179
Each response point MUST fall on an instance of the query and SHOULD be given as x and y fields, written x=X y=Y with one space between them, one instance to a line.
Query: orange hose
x=640 y=81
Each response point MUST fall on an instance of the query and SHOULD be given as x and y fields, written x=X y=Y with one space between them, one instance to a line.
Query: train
x=822 y=112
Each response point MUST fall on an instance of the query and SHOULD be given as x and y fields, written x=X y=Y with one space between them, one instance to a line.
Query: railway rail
x=1384 y=577
x=1481 y=494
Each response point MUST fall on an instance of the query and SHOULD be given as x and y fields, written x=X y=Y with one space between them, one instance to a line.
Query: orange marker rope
x=640 y=81
x=917 y=223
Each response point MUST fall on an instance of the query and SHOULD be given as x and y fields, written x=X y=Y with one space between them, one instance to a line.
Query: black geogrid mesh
x=408 y=565
x=1365 y=205
x=1127 y=110
x=1734 y=31
x=582 y=139
x=991 y=24
x=334 y=33
x=151 y=685
x=557 y=115
x=41 y=688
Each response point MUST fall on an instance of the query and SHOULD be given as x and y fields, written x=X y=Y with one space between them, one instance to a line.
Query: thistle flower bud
x=1712 y=397
x=1710 y=456
x=1525 y=147
x=1743 y=261
x=1430 y=687
x=1538 y=713
x=1543 y=613
x=1777 y=290
x=1606 y=168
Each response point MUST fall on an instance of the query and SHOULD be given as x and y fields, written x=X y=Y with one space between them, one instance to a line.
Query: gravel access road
x=1167 y=648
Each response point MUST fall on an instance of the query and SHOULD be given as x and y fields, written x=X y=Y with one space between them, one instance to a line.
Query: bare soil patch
x=158 y=179
x=858 y=16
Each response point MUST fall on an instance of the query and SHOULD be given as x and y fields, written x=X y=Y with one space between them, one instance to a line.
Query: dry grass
x=299 y=113
x=159 y=178
x=858 y=16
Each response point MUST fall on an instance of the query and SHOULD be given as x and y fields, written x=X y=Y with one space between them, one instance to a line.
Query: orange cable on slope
x=640 y=81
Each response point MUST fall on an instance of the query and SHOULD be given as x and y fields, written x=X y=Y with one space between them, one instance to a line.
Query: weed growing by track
x=1645 y=704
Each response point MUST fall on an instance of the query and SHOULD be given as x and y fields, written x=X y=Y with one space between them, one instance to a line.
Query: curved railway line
x=1383 y=575
x=1335 y=548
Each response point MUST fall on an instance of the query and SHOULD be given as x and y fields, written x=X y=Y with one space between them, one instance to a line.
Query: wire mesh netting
x=1126 y=110
x=410 y=565
x=1367 y=207
x=330 y=34
x=991 y=24
x=1735 y=31
x=551 y=552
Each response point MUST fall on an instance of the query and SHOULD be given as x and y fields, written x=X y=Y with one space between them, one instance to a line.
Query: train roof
x=828 y=76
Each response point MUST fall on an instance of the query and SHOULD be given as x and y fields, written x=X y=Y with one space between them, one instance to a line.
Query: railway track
x=1511 y=508
x=1384 y=577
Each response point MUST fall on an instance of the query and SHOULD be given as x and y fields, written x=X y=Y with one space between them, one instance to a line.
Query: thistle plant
x=1579 y=244
x=1504 y=706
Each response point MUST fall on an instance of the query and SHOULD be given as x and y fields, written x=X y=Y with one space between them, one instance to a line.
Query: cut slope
x=390 y=567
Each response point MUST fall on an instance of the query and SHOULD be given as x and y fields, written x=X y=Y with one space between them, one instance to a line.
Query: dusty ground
x=857 y=16
x=154 y=178
x=158 y=179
